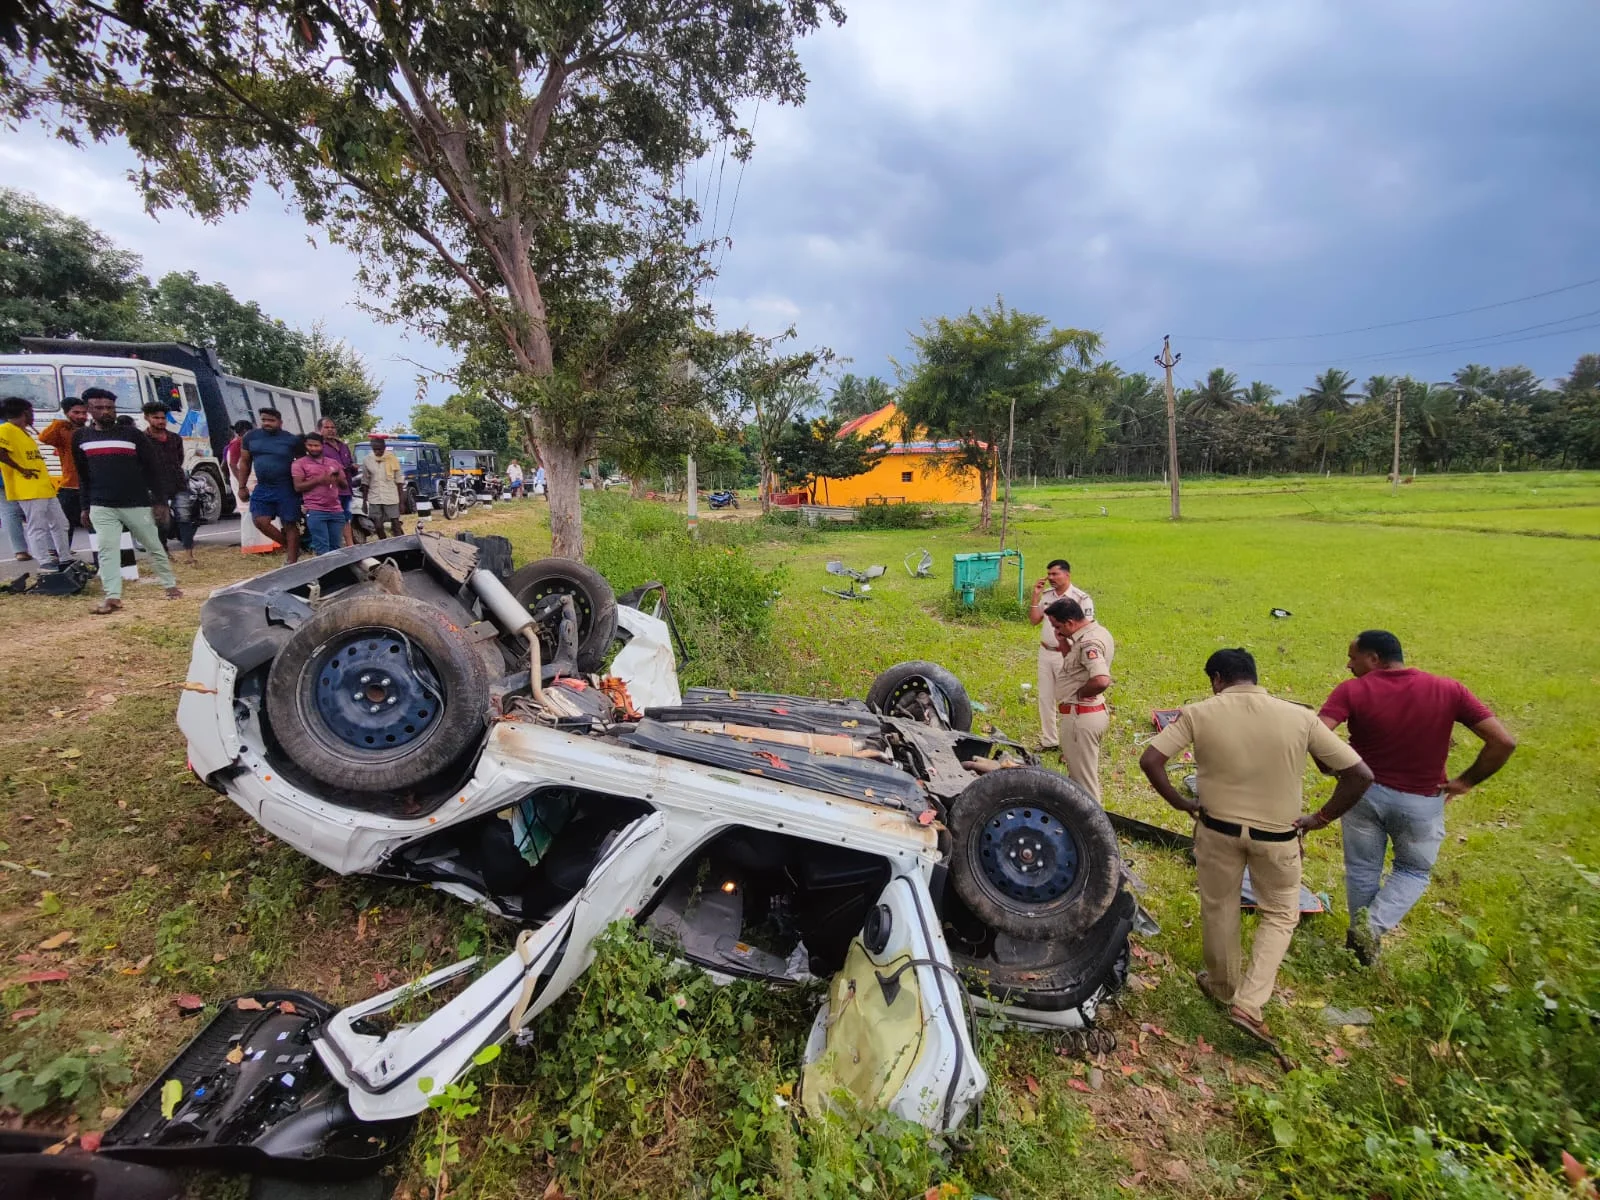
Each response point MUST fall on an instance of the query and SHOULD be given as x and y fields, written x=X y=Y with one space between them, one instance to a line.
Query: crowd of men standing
x=111 y=478
x=1250 y=750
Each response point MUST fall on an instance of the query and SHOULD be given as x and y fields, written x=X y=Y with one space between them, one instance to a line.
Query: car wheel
x=377 y=694
x=1032 y=854
x=917 y=690
x=591 y=596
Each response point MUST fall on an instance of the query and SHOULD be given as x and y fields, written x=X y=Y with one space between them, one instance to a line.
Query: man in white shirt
x=1056 y=585
x=514 y=479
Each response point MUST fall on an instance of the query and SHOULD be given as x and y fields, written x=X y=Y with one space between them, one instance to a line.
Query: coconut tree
x=1332 y=392
x=1259 y=394
x=1217 y=395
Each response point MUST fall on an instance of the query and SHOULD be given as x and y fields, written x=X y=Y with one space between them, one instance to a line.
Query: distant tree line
x=60 y=277
x=1481 y=418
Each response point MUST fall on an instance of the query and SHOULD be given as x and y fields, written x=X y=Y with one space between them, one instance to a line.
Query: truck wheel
x=377 y=693
x=210 y=498
x=591 y=595
x=917 y=690
x=1032 y=854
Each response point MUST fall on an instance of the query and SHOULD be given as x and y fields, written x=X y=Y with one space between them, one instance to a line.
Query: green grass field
x=164 y=888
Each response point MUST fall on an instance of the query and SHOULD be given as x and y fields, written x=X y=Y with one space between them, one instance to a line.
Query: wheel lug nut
x=356 y=696
x=385 y=681
x=365 y=678
x=392 y=700
x=374 y=708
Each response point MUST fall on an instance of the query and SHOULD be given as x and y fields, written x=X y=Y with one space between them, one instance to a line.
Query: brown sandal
x=1258 y=1030
x=106 y=607
x=1202 y=980
x=174 y=593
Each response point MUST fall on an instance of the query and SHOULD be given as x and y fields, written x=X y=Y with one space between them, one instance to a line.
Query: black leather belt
x=1229 y=829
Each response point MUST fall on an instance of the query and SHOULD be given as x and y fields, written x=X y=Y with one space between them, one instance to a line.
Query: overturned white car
x=416 y=710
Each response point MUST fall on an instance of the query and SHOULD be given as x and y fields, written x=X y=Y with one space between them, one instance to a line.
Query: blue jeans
x=11 y=518
x=327 y=530
x=1415 y=824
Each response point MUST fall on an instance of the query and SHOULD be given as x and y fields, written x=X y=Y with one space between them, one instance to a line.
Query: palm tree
x=1260 y=395
x=1379 y=387
x=1332 y=392
x=1473 y=381
x=1324 y=433
x=1218 y=394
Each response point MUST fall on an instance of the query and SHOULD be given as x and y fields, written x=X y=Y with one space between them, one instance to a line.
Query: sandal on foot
x=106 y=607
x=1258 y=1030
x=174 y=593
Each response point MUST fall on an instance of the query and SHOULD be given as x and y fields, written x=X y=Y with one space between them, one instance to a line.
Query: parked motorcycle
x=723 y=499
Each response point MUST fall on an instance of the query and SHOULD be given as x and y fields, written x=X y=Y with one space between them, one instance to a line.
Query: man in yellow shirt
x=1250 y=754
x=28 y=482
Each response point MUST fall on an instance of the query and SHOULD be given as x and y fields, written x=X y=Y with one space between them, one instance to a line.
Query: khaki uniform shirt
x=1047 y=631
x=1250 y=754
x=381 y=477
x=1090 y=655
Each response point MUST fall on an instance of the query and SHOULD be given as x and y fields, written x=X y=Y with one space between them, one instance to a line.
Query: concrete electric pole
x=1394 y=487
x=1167 y=359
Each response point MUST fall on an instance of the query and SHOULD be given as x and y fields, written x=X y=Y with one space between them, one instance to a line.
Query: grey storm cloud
x=1238 y=170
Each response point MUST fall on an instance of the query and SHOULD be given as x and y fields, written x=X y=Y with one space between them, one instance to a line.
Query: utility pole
x=1168 y=360
x=691 y=488
x=1005 y=508
x=1394 y=486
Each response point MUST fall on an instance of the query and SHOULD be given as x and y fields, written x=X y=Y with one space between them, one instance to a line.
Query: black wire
x=1460 y=312
x=1483 y=341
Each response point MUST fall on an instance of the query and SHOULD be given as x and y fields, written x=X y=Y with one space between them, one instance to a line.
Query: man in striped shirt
x=117 y=467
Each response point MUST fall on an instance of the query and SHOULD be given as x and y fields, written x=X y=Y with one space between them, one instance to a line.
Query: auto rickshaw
x=477 y=471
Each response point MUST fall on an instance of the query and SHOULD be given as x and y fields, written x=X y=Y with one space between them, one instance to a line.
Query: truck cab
x=424 y=466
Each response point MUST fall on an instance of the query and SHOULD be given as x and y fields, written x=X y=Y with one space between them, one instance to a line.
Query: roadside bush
x=907 y=516
x=41 y=1073
x=721 y=601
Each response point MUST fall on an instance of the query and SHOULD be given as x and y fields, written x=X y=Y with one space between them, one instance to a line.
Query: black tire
x=408 y=501
x=439 y=679
x=592 y=595
x=1030 y=810
x=450 y=506
x=904 y=691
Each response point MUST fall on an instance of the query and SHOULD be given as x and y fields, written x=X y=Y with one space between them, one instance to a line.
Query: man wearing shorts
x=271 y=451
x=381 y=474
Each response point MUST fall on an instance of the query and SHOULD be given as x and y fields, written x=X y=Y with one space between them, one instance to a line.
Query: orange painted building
x=911 y=471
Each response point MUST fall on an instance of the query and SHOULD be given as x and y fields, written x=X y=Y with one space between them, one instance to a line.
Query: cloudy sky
x=1239 y=173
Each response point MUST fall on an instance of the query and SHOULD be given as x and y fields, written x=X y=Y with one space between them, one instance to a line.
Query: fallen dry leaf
x=287 y=1006
x=71 y=752
x=138 y=968
x=90 y=1141
x=188 y=1003
x=1033 y=1085
x=249 y=1004
x=58 y=940
x=1077 y=1085
x=58 y=976
x=110 y=1113
x=1177 y=1170
x=22 y=1014
x=1132 y=1182
x=553 y=1191
x=1203 y=1046
x=361 y=925
x=151 y=870
x=236 y=1055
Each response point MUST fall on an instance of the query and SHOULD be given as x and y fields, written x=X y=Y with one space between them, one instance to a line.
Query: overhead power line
x=1481 y=341
x=1460 y=312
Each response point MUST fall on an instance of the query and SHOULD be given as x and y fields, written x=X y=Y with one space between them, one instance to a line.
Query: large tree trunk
x=561 y=463
x=638 y=485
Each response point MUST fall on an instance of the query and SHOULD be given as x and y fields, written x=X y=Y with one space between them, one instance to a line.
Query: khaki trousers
x=1049 y=664
x=1275 y=876
x=1080 y=747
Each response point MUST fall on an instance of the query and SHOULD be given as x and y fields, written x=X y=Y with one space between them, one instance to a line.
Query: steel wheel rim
x=374 y=692
x=1027 y=855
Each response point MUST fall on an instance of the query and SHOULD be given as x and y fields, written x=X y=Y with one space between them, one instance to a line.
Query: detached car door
x=894 y=1033
x=385 y=1074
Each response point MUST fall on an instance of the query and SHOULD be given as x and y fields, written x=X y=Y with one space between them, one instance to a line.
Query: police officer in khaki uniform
x=1056 y=585
x=1249 y=752
x=1086 y=652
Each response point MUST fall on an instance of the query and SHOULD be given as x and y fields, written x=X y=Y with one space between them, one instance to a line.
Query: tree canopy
x=812 y=449
x=504 y=169
x=61 y=277
x=968 y=373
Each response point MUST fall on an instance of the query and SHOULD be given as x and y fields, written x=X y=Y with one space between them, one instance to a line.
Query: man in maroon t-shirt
x=1400 y=722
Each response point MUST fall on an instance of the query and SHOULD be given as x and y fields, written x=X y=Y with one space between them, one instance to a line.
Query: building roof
x=877 y=422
